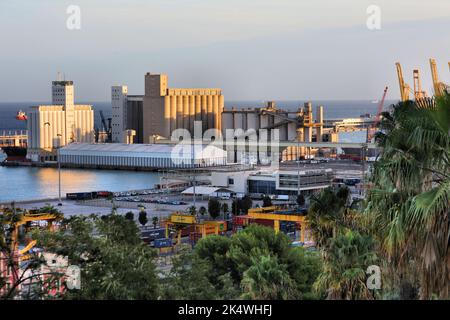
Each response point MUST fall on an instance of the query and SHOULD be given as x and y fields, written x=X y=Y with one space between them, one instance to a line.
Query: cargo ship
x=21 y=116
x=15 y=153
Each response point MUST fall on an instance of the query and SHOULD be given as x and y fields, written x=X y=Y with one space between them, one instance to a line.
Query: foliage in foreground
x=114 y=262
x=255 y=263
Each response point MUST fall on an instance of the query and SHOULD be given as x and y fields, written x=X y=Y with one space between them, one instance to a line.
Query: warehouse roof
x=179 y=151
x=119 y=147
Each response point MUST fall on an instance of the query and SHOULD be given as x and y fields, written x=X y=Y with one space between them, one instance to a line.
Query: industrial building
x=281 y=182
x=291 y=125
x=119 y=99
x=63 y=122
x=140 y=156
x=161 y=110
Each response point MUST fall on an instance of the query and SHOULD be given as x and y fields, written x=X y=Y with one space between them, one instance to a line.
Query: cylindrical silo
x=173 y=113
x=167 y=111
x=198 y=108
x=215 y=111
x=191 y=113
x=204 y=113
x=179 y=112
x=209 y=104
x=227 y=122
x=185 y=112
x=221 y=107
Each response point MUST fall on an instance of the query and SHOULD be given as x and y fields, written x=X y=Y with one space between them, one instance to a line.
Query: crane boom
x=105 y=127
x=418 y=92
x=404 y=88
x=380 y=107
x=372 y=128
x=434 y=75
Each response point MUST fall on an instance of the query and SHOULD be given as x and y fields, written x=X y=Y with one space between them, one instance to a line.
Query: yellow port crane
x=439 y=87
x=26 y=218
x=418 y=92
x=404 y=87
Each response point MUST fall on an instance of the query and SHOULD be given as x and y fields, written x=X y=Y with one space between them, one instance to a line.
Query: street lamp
x=59 y=169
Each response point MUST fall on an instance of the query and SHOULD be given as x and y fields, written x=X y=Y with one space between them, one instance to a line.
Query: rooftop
x=169 y=150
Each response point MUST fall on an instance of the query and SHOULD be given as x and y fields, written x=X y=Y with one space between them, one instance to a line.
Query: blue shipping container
x=162 y=243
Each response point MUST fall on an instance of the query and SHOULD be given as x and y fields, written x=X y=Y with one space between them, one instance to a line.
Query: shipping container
x=162 y=243
x=80 y=195
x=149 y=235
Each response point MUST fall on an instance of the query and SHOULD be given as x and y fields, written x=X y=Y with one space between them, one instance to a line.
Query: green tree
x=18 y=275
x=225 y=209
x=129 y=215
x=192 y=210
x=267 y=202
x=267 y=279
x=346 y=261
x=329 y=213
x=214 y=208
x=218 y=266
x=241 y=205
x=143 y=217
x=245 y=204
x=408 y=206
x=190 y=279
x=202 y=211
x=114 y=262
x=155 y=221
x=301 y=200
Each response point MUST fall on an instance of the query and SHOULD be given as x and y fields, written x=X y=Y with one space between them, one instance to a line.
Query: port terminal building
x=141 y=156
x=258 y=183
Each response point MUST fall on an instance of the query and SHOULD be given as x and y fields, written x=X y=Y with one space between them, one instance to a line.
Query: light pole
x=59 y=169
x=298 y=166
x=193 y=171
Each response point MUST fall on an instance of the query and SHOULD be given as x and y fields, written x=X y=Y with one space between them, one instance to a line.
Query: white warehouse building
x=140 y=156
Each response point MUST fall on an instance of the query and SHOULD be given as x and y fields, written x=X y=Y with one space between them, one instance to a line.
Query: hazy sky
x=252 y=49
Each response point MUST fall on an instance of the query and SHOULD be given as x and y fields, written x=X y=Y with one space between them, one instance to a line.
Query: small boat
x=21 y=116
x=3 y=156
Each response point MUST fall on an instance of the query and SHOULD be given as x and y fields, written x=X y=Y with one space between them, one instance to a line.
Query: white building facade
x=56 y=125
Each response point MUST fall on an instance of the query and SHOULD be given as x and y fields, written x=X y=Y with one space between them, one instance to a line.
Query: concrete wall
x=119 y=112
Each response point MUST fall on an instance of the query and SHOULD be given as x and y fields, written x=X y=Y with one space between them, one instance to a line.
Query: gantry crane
x=439 y=87
x=418 y=92
x=25 y=219
x=404 y=87
x=372 y=128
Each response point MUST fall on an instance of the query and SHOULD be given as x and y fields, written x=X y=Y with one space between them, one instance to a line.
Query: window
x=230 y=181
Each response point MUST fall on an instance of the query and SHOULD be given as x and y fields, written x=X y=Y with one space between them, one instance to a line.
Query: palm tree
x=330 y=212
x=345 y=264
x=267 y=279
x=409 y=204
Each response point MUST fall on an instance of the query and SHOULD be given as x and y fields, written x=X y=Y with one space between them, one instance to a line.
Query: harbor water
x=31 y=183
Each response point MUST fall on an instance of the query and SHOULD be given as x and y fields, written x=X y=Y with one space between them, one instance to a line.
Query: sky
x=252 y=49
